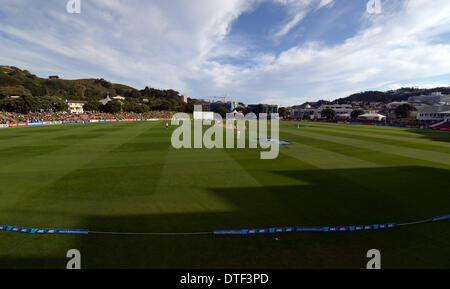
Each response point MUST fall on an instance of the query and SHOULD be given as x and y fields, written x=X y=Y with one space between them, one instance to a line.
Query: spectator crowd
x=12 y=117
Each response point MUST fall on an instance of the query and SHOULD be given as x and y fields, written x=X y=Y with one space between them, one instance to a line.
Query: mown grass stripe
x=377 y=157
x=424 y=145
x=44 y=170
x=437 y=157
x=414 y=133
x=213 y=169
x=325 y=159
x=381 y=135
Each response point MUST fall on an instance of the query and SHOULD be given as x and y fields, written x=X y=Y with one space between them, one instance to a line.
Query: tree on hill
x=134 y=106
x=104 y=83
x=92 y=104
x=141 y=108
x=356 y=113
x=111 y=107
x=283 y=112
x=6 y=91
x=222 y=110
x=53 y=103
x=404 y=110
x=24 y=104
x=133 y=93
x=328 y=113
x=14 y=81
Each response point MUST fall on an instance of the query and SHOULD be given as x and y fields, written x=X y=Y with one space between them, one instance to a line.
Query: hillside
x=401 y=94
x=14 y=81
x=48 y=94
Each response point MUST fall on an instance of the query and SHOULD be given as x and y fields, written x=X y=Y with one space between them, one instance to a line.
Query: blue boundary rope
x=43 y=231
x=231 y=232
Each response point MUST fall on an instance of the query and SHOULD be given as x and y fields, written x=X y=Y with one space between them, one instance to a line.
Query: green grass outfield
x=127 y=177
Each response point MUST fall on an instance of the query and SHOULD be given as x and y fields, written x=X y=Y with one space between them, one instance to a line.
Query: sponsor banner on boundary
x=304 y=229
x=47 y=123
x=53 y=122
x=442 y=218
x=234 y=232
x=43 y=231
x=35 y=124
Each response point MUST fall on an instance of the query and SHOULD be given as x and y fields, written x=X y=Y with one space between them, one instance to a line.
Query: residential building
x=118 y=97
x=76 y=106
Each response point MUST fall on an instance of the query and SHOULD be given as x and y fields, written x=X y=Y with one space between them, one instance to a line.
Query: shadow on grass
x=328 y=197
x=442 y=136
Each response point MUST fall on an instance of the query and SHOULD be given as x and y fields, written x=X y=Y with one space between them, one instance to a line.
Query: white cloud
x=396 y=46
x=156 y=43
x=298 y=9
x=326 y=3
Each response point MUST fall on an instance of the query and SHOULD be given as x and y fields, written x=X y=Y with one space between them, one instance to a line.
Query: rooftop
x=436 y=109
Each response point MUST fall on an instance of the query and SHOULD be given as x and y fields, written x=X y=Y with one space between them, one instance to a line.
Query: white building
x=119 y=98
x=434 y=113
x=76 y=106
x=203 y=115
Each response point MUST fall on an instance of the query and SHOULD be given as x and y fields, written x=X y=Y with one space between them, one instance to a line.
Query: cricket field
x=126 y=177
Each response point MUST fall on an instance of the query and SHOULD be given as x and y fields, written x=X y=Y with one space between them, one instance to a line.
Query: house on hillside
x=53 y=77
x=119 y=98
x=76 y=106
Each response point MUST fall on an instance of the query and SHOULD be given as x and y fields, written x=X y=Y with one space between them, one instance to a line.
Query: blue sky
x=257 y=51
